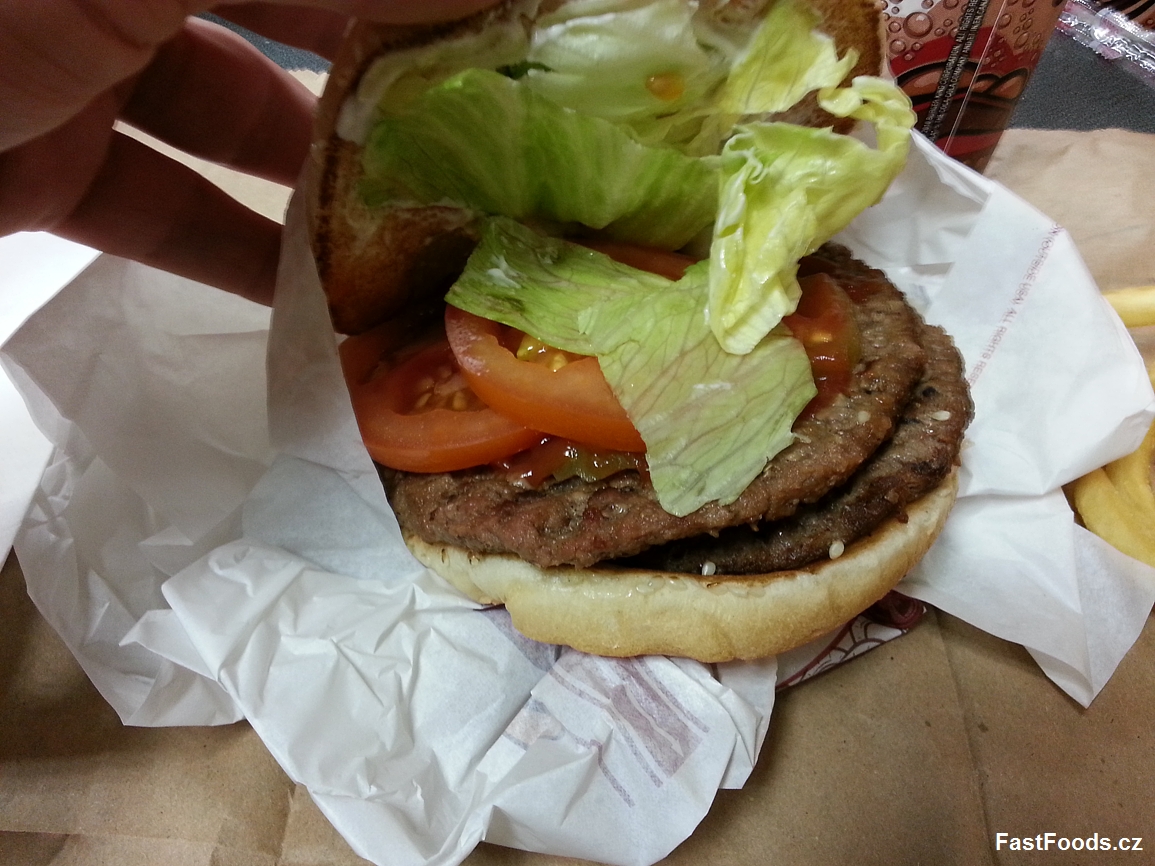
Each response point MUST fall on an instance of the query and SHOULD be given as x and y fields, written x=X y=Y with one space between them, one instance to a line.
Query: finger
x=146 y=207
x=43 y=180
x=317 y=30
x=57 y=56
x=211 y=94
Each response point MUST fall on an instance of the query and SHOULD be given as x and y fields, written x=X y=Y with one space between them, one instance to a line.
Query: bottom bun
x=628 y=612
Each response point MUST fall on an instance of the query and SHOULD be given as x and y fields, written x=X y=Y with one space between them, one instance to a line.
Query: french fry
x=1135 y=306
x=1117 y=502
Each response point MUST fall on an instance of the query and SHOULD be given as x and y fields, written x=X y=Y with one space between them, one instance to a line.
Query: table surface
x=1074 y=88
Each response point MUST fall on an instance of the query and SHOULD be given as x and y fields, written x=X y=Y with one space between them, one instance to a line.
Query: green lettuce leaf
x=786 y=59
x=643 y=65
x=710 y=419
x=484 y=141
x=543 y=285
x=786 y=190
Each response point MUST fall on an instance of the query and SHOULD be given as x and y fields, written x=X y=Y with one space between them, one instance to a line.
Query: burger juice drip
x=965 y=63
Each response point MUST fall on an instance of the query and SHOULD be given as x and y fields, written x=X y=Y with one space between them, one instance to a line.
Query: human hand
x=70 y=68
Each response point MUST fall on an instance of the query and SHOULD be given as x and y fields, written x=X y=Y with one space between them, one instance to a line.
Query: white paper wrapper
x=33 y=267
x=1058 y=386
x=202 y=574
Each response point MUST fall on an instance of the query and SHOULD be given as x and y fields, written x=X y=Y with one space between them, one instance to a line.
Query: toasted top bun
x=378 y=264
x=627 y=612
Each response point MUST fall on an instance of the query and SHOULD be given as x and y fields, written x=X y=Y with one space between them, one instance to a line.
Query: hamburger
x=613 y=373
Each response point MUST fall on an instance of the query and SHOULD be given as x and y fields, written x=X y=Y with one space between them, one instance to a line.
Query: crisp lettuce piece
x=639 y=64
x=543 y=285
x=786 y=190
x=672 y=72
x=710 y=419
x=484 y=141
x=786 y=59
x=878 y=102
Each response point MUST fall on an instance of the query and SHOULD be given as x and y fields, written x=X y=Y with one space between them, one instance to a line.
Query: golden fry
x=1113 y=516
x=1135 y=306
x=1117 y=502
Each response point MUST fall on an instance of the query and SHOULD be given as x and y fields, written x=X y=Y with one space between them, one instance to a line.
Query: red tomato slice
x=664 y=263
x=824 y=324
x=555 y=392
x=418 y=413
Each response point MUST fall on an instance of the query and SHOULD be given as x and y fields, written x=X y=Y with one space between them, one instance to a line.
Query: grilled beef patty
x=583 y=523
x=920 y=454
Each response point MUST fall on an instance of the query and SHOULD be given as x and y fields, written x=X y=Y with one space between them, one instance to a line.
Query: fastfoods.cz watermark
x=1055 y=842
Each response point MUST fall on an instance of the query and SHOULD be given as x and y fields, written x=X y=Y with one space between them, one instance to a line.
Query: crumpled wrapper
x=33 y=267
x=206 y=561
